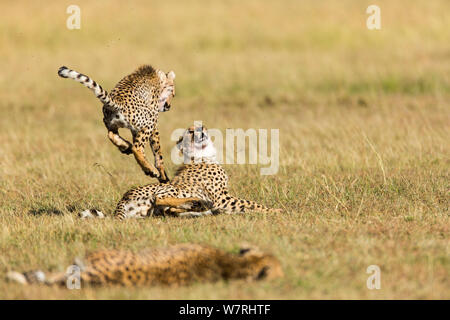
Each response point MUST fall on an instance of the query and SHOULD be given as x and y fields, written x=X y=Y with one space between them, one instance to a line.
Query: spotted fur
x=201 y=185
x=134 y=103
x=181 y=264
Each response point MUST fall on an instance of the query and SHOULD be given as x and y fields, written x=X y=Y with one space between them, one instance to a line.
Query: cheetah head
x=196 y=145
x=168 y=90
x=262 y=265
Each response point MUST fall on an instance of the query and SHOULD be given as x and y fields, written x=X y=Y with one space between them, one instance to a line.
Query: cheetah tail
x=60 y=279
x=236 y=205
x=99 y=92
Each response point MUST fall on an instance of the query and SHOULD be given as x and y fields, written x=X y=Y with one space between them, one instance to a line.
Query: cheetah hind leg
x=192 y=214
x=123 y=145
x=183 y=206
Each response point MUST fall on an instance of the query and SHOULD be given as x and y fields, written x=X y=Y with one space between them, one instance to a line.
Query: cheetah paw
x=91 y=213
x=151 y=173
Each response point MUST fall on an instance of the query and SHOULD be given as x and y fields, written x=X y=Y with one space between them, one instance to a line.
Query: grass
x=364 y=130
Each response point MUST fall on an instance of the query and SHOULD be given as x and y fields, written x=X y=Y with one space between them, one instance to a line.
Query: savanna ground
x=364 y=139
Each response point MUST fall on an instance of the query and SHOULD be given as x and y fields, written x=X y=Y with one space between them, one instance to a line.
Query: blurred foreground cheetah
x=200 y=187
x=176 y=265
x=134 y=103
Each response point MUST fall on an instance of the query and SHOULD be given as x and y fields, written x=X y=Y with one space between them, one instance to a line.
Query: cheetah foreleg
x=157 y=153
x=146 y=166
x=139 y=141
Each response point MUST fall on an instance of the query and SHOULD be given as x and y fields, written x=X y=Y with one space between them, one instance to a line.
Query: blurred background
x=232 y=60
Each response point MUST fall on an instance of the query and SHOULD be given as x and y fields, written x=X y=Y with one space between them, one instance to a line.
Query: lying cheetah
x=176 y=265
x=134 y=103
x=199 y=187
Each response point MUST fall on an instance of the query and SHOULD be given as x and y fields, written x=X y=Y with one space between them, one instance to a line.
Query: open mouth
x=201 y=146
x=166 y=106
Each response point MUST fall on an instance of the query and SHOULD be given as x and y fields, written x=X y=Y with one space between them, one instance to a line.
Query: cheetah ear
x=171 y=75
x=161 y=75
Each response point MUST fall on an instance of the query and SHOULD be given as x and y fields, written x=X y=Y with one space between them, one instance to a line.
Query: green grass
x=364 y=130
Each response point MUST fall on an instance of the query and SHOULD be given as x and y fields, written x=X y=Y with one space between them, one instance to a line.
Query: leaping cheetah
x=199 y=187
x=134 y=103
x=176 y=265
